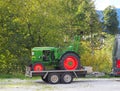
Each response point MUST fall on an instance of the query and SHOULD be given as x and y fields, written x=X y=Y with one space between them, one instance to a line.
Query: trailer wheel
x=53 y=78
x=70 y=61
x=66 y=78
x=45 y=80
x=38 y=67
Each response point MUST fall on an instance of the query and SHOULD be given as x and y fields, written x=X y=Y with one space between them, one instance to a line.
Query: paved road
x=82 y=84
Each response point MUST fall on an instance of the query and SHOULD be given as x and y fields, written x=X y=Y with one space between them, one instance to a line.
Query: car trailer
x=57 y=76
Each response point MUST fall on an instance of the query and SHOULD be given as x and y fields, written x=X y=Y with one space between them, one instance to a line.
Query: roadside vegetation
x=99 y=59
x=25 y=24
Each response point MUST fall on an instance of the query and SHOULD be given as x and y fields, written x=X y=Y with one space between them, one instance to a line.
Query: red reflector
x=118 y=63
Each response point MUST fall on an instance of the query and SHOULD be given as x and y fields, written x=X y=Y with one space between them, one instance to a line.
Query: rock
x=98 y=74
x=89 y=69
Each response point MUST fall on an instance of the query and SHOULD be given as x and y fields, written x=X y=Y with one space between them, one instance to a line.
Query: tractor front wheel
x=70 y=61
x=38 y=67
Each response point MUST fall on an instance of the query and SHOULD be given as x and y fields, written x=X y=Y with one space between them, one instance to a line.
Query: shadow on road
x=84 y=81
x=74 y=82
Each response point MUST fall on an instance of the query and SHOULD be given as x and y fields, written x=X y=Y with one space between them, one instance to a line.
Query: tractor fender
x=69 y=52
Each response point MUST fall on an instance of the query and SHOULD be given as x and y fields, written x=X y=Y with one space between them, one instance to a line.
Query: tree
x=88 y=22
x=25 y=24
x=110 y=20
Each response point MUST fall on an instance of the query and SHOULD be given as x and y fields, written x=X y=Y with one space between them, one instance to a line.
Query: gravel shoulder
x=82 y=84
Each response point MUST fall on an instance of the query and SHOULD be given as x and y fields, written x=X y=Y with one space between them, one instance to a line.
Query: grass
x=4 y=76
x=18 y=76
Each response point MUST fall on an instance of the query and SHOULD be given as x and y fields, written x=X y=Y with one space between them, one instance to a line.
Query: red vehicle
x=116 y=57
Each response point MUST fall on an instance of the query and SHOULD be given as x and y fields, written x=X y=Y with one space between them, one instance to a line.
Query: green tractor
x=44 y=58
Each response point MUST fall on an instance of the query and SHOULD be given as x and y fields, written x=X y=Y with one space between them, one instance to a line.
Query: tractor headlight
x=32 y=53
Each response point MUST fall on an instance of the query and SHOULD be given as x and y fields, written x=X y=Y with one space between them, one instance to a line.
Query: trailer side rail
x=30 y=73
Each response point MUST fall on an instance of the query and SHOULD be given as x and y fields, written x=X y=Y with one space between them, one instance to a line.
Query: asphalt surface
x=82 y=84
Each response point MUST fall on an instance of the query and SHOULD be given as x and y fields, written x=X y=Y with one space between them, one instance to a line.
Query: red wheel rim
x=70 y=63
x=38 y=67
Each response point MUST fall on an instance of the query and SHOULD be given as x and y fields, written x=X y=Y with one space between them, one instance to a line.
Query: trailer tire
x=45 y=79
x=53 y=78
x=66 y=78
x=69 y=61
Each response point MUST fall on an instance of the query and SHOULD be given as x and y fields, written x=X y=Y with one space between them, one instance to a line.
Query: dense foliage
x=110 y=20
x=25 y=24
x=101 y=60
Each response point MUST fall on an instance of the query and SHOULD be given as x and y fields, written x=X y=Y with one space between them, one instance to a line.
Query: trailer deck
x=57 y=76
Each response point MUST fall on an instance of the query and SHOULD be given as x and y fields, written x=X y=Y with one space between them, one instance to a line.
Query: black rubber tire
x=53 y=78
x=62 y=60
x=45 y=80
x=66 y=78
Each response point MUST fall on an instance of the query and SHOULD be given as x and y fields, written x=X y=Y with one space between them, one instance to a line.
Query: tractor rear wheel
x=70 y=61
x=38 y=67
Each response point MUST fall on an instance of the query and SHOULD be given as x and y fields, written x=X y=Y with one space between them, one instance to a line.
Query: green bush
x=100 y=60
